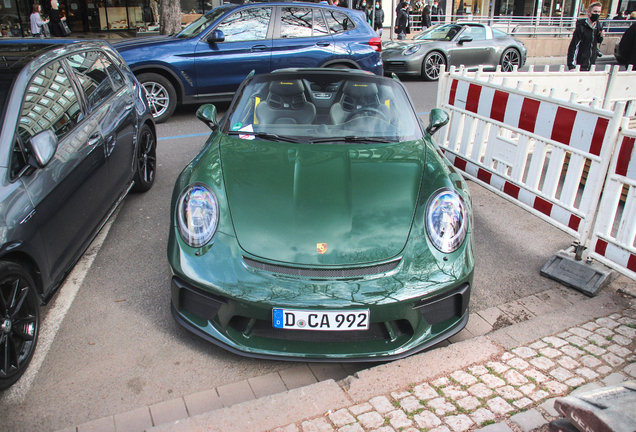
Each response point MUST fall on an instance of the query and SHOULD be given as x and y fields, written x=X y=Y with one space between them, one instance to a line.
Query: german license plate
x=320 y=320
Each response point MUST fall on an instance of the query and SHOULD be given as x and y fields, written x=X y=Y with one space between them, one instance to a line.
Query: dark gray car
x=77 y=135
x=468 y=44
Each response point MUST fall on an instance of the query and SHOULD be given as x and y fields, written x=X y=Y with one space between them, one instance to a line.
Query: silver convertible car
x=468 y=44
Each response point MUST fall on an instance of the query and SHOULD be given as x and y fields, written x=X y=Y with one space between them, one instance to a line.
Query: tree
x=170 y=17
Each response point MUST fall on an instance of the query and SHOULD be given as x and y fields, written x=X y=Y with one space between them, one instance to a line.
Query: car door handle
x=94 y=139
x=129 y=105
x=259 y=48
x=323 y=43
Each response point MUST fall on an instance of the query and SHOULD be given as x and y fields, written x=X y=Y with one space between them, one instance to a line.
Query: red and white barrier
x=614 y=235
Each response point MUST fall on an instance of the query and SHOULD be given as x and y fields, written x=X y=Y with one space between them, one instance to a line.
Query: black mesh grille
x=323 y=273
x=395 y=66
x=448 y=305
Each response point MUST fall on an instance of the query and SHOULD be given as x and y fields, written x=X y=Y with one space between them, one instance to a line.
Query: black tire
x=509 y=59
x=161 y=95
x=340 y=66
x=19 y=322
x=145 y=160
x=431 y=65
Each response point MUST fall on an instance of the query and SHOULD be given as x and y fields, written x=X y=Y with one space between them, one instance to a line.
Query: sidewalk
x=502 y=380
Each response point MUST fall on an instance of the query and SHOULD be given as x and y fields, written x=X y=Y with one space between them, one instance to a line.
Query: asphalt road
x=118 y=347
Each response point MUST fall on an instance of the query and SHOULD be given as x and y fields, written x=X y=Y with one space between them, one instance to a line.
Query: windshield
x=439 y=33
x=203 y=22
x=5 y=88
x=323 y=107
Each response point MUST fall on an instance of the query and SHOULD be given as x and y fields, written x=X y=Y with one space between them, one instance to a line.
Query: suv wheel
x=161 y=95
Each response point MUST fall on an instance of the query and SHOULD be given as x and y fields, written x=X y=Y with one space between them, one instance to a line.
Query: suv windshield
x=199 y=25
x=323 y=107
x=439 y=33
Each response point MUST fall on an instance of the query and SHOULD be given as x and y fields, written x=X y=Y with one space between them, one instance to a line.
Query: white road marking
x=51 y=324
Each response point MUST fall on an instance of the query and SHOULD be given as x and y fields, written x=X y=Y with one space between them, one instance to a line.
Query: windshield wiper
x=266 y=136
x=352 y=138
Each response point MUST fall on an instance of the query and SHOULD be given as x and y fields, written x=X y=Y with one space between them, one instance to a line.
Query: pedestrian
x=426 y=17
x=56 y=22
x=627 y=47
x=379 y=18
x=619 y=16
x=586 y=38
x=401 y=22
x=632 y=16
x=37 y=22
x=437 y=14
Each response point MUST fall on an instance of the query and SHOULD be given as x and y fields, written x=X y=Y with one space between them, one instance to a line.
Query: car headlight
x=197 y=215
x=446 y=220
x=411 y=49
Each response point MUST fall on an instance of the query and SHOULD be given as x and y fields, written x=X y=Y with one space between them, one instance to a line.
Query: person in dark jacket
x=586 y=38
x=379 y=18
x=55 y=22
x=426 y=17
x=402 y=21
x=627 y=47
x=437 y=14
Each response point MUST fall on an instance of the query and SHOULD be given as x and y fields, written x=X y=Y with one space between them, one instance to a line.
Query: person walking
x=56 y=22
x=437 y=14
x=587 y=36
x=36 y=21
x=379 y=18
x=402 y=21
x=426 y=17
x=627 y=47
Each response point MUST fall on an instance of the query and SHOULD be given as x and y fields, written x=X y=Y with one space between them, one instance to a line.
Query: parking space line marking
x=183 y=136
x=51 y=324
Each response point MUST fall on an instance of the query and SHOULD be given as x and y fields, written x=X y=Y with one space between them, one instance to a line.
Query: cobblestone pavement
x=514 y=392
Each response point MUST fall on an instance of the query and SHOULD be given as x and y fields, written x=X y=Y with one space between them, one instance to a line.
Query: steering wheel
x=367 y=112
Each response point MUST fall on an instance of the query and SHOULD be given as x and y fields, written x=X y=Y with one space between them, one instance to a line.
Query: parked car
x=77 y=134
x=321 y=222
x=210 y=58
x=468 y=44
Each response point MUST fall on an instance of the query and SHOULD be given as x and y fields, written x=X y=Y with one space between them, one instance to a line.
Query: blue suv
x=208 y=60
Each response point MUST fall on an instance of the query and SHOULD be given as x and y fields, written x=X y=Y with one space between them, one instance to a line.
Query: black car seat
x=286 y=104
x=356 y=98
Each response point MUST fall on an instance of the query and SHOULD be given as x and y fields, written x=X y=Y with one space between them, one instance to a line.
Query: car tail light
x=376 y=43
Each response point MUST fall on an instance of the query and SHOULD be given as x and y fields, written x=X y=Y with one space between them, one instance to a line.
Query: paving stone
x=356 y=410
x=398 y=419
x=619 y=350
x=621 y=340
x=572 y=351
x=574 y=382
x=523 y=402
x=325 y=371
x=316 y=425
x=518 y=363
x=341 y=417
x=539 y=395
x=477 y=325
x=524 y=352
x=535 y=305
x=630 y=370
x=136 y=420
x=568 y=362
x=603 y=370
x=615 y=316
x=441 y=429
x=289 y=428
x=542 y=363
x=106 y=424
x=577 y=340
x=371 y=420
x=478 y=370
x=548 y=406
x=586 y=388
x=550 y=352
x=527 y=389
x=390 y=429
x=614 y=379
x=595 y=349
x=492 y=381
x=612 y=359
x=235 y=393
x=297 y=376
x=627 y=321
x=626 y=331
x=587 y=373
x=425 y=392
x=482 y=415
x=590 y=361
x=480 y=390
x=469 y=403
x=529 y=420
x=538 y=345
x=266 y=385
x=581 y=332
x=427 y=420
x=400 y=394
x=607 y=323
x=508 y=392
x=507 y=356
x=591 y=326
x=499 y=406
x=515 y=378
x=464 y=378
x=497 y=427
x=561 y=374
x=355 y=428
x=441 y=406
x=459 y=423
x=605 y=332
x=598 y=340
x=382 y=404
x=495 y=317
x=536 y=375
x=497 y=367
x=555 y=387
x=454 y=392
x=203 y=402
x=410 y=404
x=555 y=342
x=564 y=335
x=440 y=382
x=168 y=411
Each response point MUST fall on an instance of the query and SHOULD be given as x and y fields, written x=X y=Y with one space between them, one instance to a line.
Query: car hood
x=398 y=47
x=141 y=42
x=286 y=199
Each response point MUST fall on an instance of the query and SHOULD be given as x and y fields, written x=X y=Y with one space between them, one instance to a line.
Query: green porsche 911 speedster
x=321 y=222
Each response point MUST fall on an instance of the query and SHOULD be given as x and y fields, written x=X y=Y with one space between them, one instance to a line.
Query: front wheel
x=19 y=322
x=161 y=95
x=431 y=65
x=145 y=160
x=510 y=59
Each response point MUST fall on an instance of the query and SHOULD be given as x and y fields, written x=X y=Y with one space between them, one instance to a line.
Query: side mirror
x=436 y=120
x=465 y=39
x=216 y=36
x=43 y=146
x=207 y=114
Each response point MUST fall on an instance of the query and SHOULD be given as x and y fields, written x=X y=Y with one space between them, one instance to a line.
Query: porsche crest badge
x=321 y=247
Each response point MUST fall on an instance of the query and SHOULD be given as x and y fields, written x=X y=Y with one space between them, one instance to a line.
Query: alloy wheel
x=158 y=98
x=432 y=65
x=509 y=60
